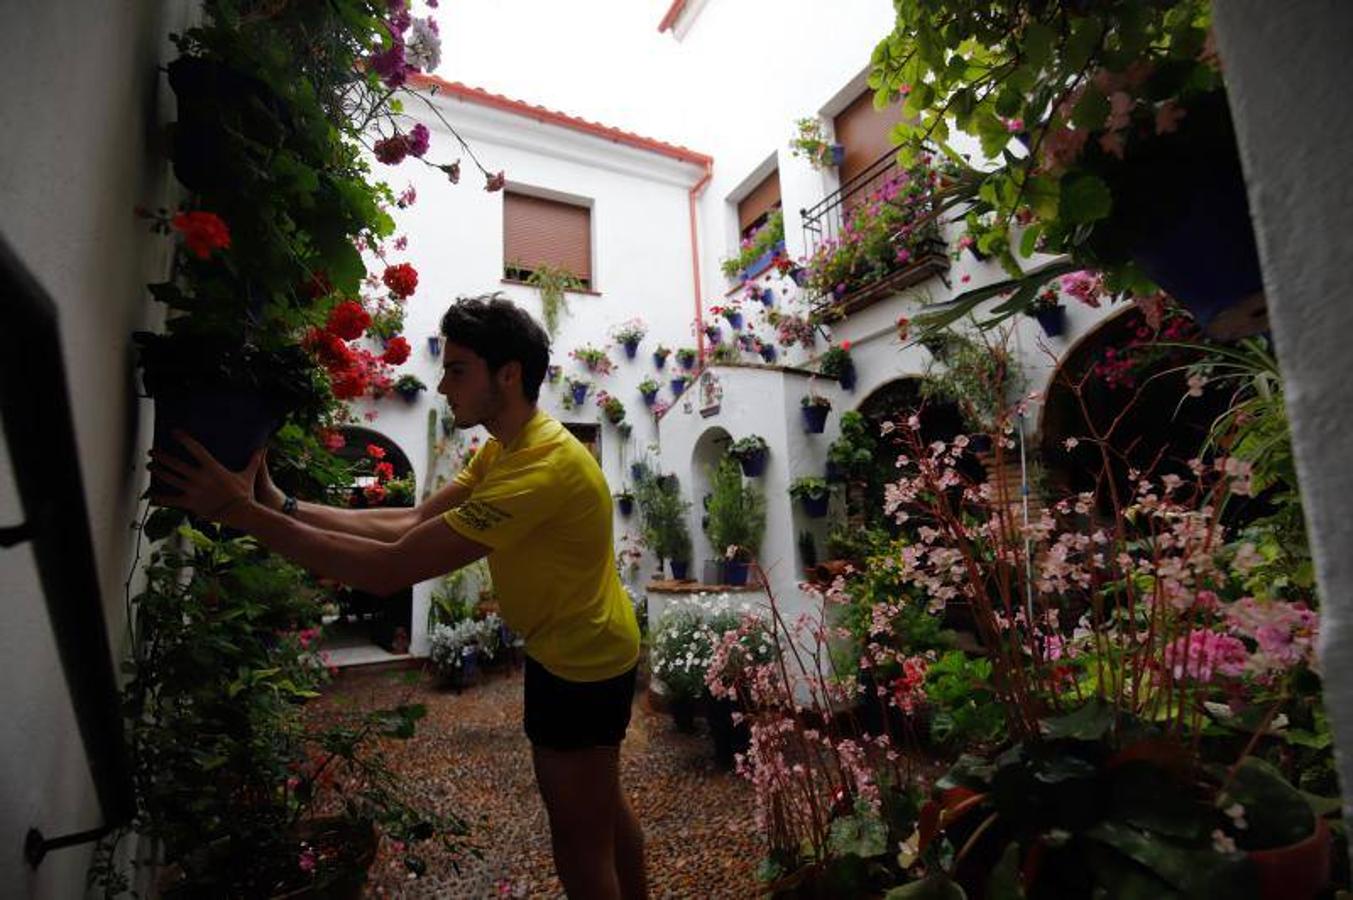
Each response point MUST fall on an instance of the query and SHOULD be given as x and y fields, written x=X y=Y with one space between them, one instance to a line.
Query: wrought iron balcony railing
x=828 y=226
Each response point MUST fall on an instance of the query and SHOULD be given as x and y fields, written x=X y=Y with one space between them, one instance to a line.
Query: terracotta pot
x=1299 y=871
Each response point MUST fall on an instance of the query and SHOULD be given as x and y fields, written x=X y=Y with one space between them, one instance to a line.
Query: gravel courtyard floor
x=471 y=756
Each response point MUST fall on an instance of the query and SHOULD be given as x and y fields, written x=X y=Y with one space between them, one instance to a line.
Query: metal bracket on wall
x=39 y=431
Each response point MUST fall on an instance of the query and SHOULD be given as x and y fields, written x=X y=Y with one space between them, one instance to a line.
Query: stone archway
x=1143 y=406
x=709 y=449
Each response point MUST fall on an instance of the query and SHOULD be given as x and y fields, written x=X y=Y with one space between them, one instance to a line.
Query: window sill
x=527 y=284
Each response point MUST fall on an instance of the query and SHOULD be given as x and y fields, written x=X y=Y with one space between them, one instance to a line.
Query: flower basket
x=580 y=393
x=753 y=464
x=680 y=569
x=815 y=418
x=1178 y=206
x=1052 y=320
x=231 y=423
x=814 y=507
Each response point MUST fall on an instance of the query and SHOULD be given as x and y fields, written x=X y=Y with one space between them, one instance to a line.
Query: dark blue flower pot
x=815 y=418
x=230 y=423
x=435 y=344
x=768 y=353
x=679 y=569
x=847 y=378
x=800 y=275
x=650 y=397
x=754 y=464
x=1052 y=321
x=814 y=507
x=638 y=471
x=767 y=297
x=625 y=505
x=659 y=361
x=631 y=349
x=686 y=362
x=1180 y=211
x=714 y=333
x=580 y=394
x=678 y=385
x=734 y=572
x=735 y=319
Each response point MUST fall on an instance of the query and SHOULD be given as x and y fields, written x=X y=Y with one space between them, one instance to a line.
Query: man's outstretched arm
x=213 y=492
x=374 y=566
x=388 y=525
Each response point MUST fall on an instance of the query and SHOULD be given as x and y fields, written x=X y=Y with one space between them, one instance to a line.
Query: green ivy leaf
x=1038 y=43
x=1082 y=42
x=1084 y=199
x=1092 y=110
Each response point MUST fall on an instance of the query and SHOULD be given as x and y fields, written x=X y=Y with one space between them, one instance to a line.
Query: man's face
x=475 y=396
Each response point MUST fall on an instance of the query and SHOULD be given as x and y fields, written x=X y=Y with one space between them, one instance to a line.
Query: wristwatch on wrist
x=288 y=505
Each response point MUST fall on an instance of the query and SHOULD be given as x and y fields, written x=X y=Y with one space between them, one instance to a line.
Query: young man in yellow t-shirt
x=534 y=501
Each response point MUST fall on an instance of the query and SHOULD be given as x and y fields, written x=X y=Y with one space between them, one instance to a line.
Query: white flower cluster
x=451 y=644
x=685 y=638
x=424 y=48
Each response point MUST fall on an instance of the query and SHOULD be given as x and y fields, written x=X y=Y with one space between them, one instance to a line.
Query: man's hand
x=265 y=492
x=208 y=489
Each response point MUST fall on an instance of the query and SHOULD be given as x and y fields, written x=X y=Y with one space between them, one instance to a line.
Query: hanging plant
x=553 y=282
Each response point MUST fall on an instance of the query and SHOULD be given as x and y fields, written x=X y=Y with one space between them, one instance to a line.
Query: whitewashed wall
x=641 y=266
x=75 y=158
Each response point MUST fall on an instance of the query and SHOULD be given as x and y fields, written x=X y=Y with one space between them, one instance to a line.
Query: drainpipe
x=695 y=193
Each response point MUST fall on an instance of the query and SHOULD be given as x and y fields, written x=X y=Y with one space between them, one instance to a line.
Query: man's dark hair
x=498 y=330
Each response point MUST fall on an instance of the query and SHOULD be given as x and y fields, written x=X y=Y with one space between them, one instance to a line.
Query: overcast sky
x=602 y=60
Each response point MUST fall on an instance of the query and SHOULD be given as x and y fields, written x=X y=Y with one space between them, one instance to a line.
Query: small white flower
x=424 y=49
x=1070 y=443
x=1221 y=842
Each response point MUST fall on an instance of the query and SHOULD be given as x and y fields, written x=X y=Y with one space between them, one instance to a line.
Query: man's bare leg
x=629 y=851
x=581 y=790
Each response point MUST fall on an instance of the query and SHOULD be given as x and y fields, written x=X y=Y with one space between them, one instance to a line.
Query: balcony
x=877 y=235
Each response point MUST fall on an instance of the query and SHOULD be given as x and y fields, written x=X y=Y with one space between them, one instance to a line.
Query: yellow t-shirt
x=542 y=505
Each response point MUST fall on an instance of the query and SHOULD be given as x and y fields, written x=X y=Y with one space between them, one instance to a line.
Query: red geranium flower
x=384 y=471
x=402 y=280
x=495 y=182
x=375 y=452
x=349 y=384
x=348 y=320
x=317 y=286
x=392 y=150
x=203 y=232
x=374 y=493
x=396 y=351
x=329 y=348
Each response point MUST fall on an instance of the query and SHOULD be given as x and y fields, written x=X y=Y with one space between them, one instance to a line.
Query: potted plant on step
x=662 y=514
x=737 y=520
x=679 y=384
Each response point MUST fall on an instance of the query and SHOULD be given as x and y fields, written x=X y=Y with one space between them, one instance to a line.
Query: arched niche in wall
x=386 y=621
x=1135 y=397
x=710 y=447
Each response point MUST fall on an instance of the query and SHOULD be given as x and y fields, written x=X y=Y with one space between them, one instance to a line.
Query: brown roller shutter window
x=546 y=232
x=763 y=198
x=863 y=132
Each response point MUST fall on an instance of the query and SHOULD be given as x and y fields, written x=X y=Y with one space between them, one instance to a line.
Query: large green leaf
x=1089 y=723
x=1084 y=199
x=862 y=835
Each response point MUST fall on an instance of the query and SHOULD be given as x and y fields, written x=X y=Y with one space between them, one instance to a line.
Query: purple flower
x=390 y=64
x=417 y=140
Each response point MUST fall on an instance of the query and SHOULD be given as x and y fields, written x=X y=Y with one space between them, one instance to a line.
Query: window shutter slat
x=863 y=132
x=538 y=232
x=760 y=201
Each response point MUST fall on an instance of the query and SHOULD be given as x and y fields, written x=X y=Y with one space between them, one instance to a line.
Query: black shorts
x=575 y=715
